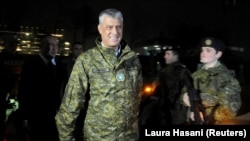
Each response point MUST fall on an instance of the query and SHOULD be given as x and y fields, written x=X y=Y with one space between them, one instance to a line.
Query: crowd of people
x=96 y=94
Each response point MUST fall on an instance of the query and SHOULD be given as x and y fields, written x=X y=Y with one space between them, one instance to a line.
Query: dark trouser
x=179 y=114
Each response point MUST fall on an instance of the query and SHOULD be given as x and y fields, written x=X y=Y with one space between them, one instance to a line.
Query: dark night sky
x=180 y=20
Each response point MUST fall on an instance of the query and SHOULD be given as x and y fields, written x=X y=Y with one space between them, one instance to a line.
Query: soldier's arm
x=72 y=103
x=229 y=100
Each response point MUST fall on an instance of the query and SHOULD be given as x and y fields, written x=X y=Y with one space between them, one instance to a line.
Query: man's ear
x=99 y=28
x=219 y=54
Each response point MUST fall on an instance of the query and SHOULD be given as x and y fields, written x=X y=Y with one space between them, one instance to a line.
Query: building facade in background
x=29 y=39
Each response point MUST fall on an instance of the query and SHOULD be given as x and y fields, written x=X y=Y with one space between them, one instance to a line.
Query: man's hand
x=186 y=99
x=192 y=116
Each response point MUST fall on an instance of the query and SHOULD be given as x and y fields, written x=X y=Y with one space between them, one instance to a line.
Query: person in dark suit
x=40 y=91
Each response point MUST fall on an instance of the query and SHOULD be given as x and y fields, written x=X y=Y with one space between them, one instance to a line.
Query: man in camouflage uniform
x=219 y=89
x=111 y=72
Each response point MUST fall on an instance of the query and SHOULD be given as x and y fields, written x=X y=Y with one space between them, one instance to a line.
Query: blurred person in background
x=68 y=62
x=10 y=70
x=40 y=88
x=111 y=74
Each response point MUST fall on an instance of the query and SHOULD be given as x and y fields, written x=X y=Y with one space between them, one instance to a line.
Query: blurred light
x=156 y=46
x=66 y=43
x=148 y=90
x=239 y=49
x=18 y=48
x=57 y=35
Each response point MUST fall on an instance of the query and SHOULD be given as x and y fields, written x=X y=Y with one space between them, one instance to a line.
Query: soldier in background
x=220 y=91
x=171 y=79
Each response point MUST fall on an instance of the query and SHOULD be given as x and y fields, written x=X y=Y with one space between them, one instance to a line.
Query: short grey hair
x=114 y=13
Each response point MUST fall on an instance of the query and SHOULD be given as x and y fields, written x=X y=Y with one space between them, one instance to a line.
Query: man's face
x=209 y=55
x=77 y=50
x=53 y=46
x=170 y=57
x=111 y=31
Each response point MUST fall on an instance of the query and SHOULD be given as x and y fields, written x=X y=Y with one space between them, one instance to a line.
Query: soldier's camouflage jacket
x=218 y=87
x=114 y=85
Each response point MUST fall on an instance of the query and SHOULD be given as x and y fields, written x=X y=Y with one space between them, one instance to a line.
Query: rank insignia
x=208 y=42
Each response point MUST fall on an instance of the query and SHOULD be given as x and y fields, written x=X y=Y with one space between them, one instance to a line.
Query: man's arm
x=71 y=105
x=192 y=99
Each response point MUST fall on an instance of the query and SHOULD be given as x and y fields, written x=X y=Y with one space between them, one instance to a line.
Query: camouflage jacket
x=114 y=85
x=218 y=87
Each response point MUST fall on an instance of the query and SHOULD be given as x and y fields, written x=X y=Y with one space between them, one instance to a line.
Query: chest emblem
x=120 y=77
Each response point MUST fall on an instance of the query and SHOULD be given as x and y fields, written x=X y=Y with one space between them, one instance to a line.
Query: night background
x=144 y=20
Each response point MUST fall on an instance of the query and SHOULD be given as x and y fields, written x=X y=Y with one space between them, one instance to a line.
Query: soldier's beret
x=173 y=48
x=213 y=43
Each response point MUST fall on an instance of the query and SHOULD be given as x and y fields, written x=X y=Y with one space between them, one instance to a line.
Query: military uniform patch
x=208 y=100
x=120 y=77
x=234 y=106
